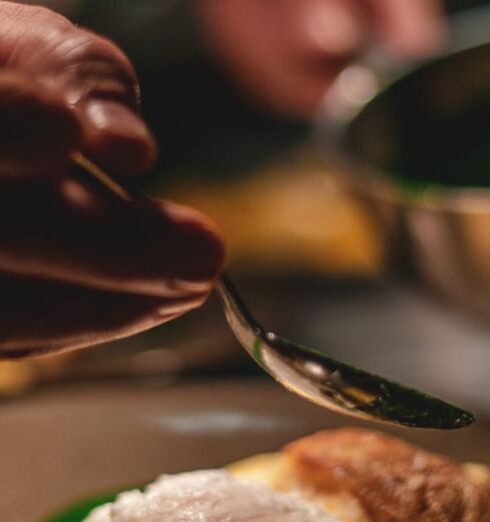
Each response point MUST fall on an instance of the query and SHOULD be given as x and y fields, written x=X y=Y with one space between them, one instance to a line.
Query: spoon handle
x=237 y=313
x=89 y=168
x=245 y=327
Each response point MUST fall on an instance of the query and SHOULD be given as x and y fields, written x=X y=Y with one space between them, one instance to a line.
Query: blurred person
x=77 y=267
x=286 y=53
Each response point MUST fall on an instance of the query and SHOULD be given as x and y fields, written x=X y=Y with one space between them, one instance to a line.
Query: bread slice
x=366 y=476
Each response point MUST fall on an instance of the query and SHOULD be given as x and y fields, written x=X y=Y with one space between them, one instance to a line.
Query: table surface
x=390 y=327
x=65 y=443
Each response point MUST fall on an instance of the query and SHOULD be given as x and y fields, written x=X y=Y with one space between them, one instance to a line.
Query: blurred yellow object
x=290 y=216
x=16 y=377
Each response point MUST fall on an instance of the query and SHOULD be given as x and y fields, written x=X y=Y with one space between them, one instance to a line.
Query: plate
x=66 y=444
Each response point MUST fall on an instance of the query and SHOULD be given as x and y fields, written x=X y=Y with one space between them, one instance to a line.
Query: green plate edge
x=79 y=511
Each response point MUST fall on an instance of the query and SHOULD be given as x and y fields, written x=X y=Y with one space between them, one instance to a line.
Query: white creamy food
x=208 y=496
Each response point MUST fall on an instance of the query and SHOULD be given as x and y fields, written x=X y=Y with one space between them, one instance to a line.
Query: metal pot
x=417 y=152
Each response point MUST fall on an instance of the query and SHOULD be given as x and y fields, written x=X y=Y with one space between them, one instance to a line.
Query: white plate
x=64 y=444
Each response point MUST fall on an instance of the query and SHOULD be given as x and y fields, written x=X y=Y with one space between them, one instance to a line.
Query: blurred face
x=285 y=53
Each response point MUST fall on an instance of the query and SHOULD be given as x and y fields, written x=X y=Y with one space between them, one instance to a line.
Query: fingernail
x=118 y=137
x=108 y=115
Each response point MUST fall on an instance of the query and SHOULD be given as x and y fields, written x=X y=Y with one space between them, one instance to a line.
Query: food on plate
x=363 y=475
x=208 y=496
x=345 y=475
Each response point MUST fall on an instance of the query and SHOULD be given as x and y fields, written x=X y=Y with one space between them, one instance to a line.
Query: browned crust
x=394 y=481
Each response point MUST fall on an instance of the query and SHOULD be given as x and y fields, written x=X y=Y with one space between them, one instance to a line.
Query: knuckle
x=55 y=51
x=94 y=67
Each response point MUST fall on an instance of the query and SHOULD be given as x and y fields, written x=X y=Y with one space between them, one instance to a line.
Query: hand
x=77 y=266
x=285 y=53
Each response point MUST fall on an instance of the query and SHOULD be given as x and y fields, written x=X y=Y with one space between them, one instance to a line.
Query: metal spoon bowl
x=333 y=384
x=307 y=372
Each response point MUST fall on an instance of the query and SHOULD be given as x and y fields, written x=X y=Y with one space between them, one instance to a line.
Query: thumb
x=37 y=128
x=116 y=137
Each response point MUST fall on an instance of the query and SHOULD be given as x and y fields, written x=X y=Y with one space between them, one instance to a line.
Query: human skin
x=284 y=54
x=77 y=266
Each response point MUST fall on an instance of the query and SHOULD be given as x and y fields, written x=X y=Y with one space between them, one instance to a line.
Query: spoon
x=307 y=372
